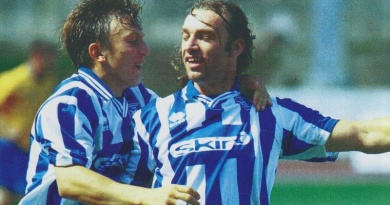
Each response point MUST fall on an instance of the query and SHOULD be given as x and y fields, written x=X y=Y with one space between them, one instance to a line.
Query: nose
x=189 y=44
x=144 y=49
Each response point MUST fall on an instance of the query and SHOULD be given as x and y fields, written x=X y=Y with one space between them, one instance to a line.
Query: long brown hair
x=238 y=27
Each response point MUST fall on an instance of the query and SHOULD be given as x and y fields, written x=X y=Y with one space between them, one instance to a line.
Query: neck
x=111 y=82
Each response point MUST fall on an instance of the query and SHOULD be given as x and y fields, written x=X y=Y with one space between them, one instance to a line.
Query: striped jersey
x=82 y=123
x=222 y=147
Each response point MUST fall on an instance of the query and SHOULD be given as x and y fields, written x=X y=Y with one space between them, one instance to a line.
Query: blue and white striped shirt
x=222 y=147
x=82 y=123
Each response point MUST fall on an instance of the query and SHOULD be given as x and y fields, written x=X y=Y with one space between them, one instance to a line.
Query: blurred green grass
x=309 y=193
x=356 y=190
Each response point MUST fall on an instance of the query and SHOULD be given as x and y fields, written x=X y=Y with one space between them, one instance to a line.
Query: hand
x=170 y=195
x=253 y=86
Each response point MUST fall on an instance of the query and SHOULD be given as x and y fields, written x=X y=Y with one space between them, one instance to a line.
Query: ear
x=96 y=52
x=238 y=47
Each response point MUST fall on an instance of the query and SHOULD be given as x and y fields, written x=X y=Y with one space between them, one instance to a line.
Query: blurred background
x=331 y=55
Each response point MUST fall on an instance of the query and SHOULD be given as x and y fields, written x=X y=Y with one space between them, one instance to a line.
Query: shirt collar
x=191 y=93
x=95 y=82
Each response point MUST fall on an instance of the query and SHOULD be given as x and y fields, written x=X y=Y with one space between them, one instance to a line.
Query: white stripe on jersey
x=258 y=172
x=229 y=195
x=196 y=176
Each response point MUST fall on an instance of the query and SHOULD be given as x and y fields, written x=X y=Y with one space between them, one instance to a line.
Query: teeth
x=193 y=60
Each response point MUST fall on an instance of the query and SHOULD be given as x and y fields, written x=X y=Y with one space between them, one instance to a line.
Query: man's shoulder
x=159 y=104
x=21 y=72
x=159 y=101
x=73 y=88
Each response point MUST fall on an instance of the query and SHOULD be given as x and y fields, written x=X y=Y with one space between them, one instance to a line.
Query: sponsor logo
x=243 y=102
x=133 y=107
x=176 y=119
x=209 y=144
x=115 y=161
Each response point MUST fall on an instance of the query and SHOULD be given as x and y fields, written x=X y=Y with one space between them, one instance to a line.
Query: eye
x=206 y=36
x=134 y=39
x=184 y=36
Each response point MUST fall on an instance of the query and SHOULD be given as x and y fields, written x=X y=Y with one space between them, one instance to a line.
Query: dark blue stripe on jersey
x=214 y=189
x=127 y=129
x=267 y=135
x=131 y=98
x=308 y=115
x=291 y=145
x=84 y=104
x=66 y=119
x=145 y=93
x=290 y=141
x=245 y=181
x=53 y=197
x=142 y=177
x=213 y=116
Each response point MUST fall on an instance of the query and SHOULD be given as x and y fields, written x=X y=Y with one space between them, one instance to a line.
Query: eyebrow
x=133 y=32
x=204 y=30
x=137 y=31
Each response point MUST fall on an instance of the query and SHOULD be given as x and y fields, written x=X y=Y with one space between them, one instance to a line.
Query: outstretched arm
x=253 y=87
x=370 y=136
x=92 y=188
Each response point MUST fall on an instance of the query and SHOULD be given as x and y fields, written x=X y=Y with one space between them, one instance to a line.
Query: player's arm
x=85 y=186
x=253 y=87
x=370 y=136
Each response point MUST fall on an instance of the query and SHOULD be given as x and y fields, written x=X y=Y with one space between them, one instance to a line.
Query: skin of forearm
x=375 y=135
x=92 y=188
x=370 y=136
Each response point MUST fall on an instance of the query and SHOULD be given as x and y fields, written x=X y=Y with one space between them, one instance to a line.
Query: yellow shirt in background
x=20 y=97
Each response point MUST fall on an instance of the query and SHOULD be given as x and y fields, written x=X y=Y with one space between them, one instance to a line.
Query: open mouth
x=139 y=66
x=194 y=61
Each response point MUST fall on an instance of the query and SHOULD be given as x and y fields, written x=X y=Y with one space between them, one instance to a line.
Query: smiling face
x=124 y=58
x=205 y=58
